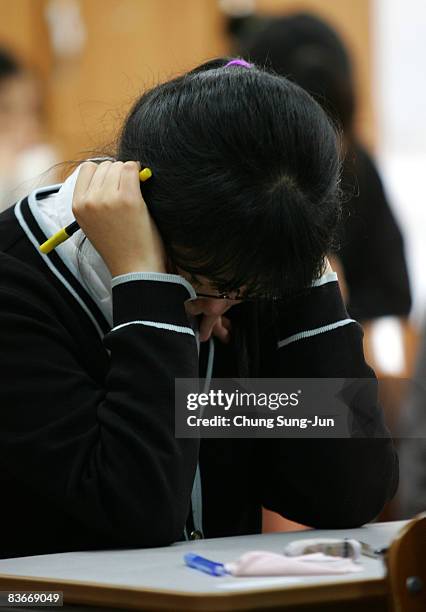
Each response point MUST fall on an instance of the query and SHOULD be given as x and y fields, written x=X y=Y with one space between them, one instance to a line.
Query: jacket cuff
x=145 y=297
x=318 y=310
x=154 y=276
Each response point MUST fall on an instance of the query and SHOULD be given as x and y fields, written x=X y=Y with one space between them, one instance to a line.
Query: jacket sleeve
x=372 y=247
x=326 y=483
x=104 y=452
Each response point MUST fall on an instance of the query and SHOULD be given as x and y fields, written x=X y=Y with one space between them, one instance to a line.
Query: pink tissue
x=263 y=563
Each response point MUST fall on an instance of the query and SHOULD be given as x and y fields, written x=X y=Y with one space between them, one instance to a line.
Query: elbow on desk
x=349 y=515
x=359 y=498
x=343 y=490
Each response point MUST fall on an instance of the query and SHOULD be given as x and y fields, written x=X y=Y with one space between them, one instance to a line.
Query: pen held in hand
x=66 y=232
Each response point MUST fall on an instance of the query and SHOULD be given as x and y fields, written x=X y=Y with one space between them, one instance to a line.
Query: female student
x=240 y=209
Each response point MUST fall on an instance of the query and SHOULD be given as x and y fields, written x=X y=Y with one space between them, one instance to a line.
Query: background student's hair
x=246 y=167
x=9 y=66
x=310 y=53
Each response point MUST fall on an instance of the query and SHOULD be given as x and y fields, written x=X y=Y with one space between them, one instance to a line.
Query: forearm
x=328 y=482
x=105 y=454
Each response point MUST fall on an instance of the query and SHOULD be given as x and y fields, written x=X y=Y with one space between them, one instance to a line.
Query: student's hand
x=110 y=210
x=215 y=325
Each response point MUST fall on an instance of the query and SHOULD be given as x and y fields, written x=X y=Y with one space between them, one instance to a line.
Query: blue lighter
x=204 y=565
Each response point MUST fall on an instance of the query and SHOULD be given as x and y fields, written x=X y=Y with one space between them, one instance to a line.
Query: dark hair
x=245 y=176
x=9 y=66
x=309 y=52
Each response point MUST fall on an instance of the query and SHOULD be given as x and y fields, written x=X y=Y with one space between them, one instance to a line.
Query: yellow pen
x=66 y=232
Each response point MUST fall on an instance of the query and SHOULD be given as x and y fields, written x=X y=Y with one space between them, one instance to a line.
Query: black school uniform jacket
x=88 y=455
x=372 y=246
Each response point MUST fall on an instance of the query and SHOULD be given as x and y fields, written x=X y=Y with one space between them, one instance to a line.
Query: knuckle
x=130 y=165
x=129 y=196
x=88 y=165
x=88 y=204
x=82 y=207
x=117 y=165
x=77 y=203
x=108 y=202
x=113 y=202
x=105 y=164
x=126 y=202
x=93 y=200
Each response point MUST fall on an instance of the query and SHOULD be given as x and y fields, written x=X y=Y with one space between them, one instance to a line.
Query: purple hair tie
x=239 y=62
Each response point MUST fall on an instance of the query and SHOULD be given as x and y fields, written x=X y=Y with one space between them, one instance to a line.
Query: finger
x=112 y=179
x=84 y=178
x=206 y=326
x=99 y=176
x=129 y=181
x=226 y=323
x=221 y=332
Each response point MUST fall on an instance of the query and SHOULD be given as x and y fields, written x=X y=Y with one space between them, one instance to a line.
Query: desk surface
x=156 y=578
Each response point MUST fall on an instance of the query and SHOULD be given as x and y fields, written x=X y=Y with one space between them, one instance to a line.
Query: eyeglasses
x=222 y=296
x=252 y=298
x=237 y=297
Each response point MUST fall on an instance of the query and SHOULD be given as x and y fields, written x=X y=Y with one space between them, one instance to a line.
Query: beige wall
x=131 y=44
x=23 y=30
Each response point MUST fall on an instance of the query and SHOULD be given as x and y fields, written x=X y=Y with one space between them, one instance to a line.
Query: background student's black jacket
x=88 y=456
x=371 y=244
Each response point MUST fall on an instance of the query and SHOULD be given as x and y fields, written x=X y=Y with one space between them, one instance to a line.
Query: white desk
x=157 y=579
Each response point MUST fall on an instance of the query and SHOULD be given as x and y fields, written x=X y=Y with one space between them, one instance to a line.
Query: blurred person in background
x=371 y=260
x=24 y=152
x=412 y=490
